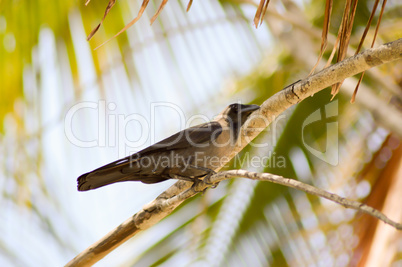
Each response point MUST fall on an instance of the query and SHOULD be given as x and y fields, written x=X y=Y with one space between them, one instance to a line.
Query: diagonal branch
x=165 y=203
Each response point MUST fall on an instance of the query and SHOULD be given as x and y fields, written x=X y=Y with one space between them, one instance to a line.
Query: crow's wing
x=112 y=172
x=189 y=137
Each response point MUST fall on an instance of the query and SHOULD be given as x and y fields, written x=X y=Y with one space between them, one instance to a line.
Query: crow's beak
x=247 y=109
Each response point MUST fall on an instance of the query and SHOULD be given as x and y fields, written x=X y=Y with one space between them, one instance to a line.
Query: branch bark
x=165 y=203
x=308 y=189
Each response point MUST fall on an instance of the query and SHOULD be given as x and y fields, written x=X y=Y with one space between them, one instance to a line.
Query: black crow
x=189 y=155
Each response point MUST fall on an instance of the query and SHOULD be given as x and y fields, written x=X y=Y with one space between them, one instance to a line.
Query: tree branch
x=165 y=203
x=308 y=189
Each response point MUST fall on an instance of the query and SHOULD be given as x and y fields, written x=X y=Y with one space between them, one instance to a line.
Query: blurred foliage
x=364 y=145
x=20 y=24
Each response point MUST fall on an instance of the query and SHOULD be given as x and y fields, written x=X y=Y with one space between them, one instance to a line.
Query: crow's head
x=236 y=115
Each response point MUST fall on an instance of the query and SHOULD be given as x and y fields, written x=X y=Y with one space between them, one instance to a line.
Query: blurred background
x=66 y=109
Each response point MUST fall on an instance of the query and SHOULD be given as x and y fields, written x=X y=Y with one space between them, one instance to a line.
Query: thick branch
x=165 y=203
